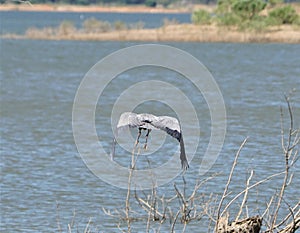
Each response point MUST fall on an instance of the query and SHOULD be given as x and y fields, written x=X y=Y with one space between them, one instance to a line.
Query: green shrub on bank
x=284 y=15
x=273 y=3
x=151 y=3
x=248 y=9
x=228 y=19
x=247 y=14
x=224 y=6
x=201 y=17
x=240 y=13
x=257 y=24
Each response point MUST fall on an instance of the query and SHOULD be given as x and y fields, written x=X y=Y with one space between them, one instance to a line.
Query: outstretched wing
x=128 y=119
x=172 y=127
x=131 y=120
x=148 y=121
x=168 y=124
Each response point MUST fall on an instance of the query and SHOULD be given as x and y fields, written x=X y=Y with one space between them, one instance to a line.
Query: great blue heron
x=146 y=121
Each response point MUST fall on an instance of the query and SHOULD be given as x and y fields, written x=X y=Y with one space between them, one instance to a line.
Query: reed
x=103 y=31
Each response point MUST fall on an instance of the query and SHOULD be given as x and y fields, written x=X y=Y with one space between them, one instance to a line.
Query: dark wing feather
x=184 y=162
x=173 y=133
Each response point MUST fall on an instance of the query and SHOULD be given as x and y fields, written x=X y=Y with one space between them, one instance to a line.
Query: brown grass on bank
x=171 y=31
x=178 y=32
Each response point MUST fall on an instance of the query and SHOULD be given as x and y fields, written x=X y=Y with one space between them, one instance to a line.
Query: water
x=44 y=181
x=18 y=22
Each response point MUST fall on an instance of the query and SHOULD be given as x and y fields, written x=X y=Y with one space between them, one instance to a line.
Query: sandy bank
x=179 y=33
x=176 y=32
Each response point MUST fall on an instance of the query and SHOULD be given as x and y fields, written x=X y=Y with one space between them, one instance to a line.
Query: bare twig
x=287 y=152
x=148 y=207
x=148 y=222
x=245 y=196
x=184 y=227
x=198 y=186
x=292 y=214
x=70 y=225
x=87 y=227
x=175 y=220
x=58 y=218
x=268 y=207
x=250 y=187
x=127 y=202
x=229 y=180
x=292 y=227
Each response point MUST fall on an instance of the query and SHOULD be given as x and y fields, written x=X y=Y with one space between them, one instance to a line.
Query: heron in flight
x=146 y=121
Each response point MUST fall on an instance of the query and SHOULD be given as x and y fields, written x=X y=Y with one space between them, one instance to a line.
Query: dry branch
x=291 y=143
x=292 y=227
x=196 y=206
x=228 y=181
x=245 y=196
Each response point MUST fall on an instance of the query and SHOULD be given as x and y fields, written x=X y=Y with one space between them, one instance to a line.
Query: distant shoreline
x=98 y=8
x=172 y=33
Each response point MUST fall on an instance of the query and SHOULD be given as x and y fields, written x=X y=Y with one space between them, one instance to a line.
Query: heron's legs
x=138 y=137
x=148 y=132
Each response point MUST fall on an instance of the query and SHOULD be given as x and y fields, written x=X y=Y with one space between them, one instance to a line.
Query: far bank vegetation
x=254 y=15
x=229 y=21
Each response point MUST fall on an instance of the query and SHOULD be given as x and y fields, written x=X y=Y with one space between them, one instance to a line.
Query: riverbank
x=172 y=33
x=96 y=30
x=102 y=8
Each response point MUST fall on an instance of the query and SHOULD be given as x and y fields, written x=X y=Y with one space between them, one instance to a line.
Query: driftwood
x=247 y=225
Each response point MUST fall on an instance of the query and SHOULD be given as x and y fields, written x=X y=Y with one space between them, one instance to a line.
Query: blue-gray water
x=18 y=22
x=44 y=180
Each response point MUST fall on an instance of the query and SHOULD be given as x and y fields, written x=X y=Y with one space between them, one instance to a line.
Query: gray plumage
x=146 y=121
